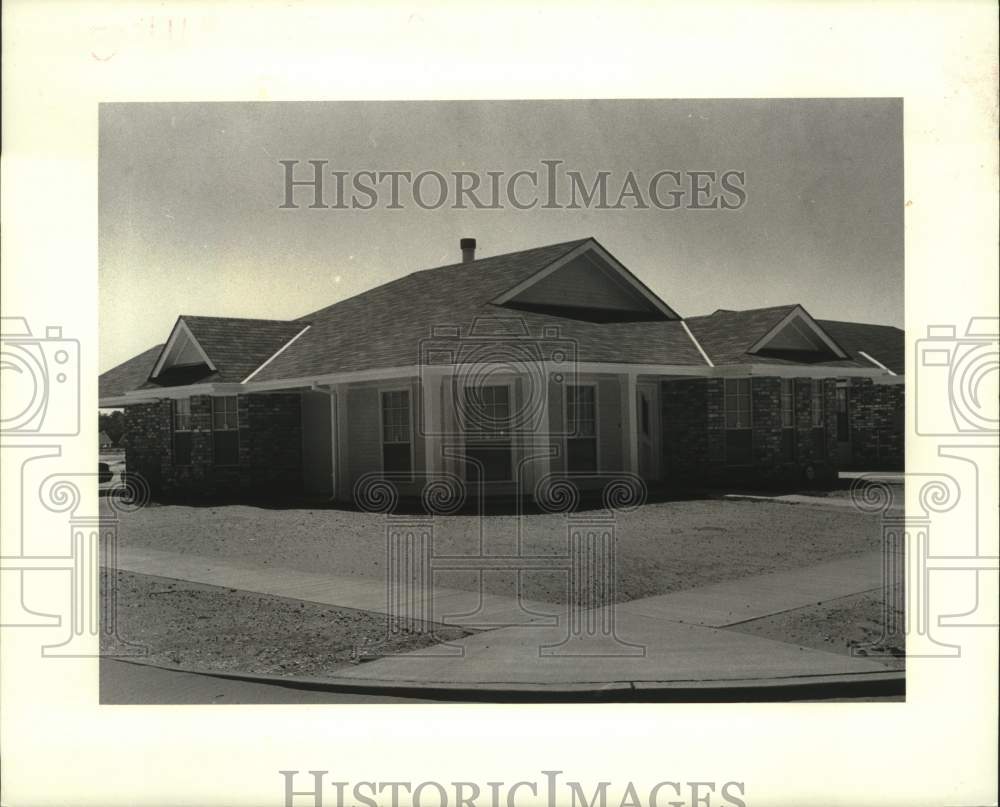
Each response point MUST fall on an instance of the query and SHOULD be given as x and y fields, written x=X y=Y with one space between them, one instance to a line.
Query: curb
x=803 y=501
x=792 y=688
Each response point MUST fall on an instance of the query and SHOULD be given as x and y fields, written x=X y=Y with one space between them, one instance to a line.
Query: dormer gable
x=182 y=351
x=587 y=283
x=798 y=335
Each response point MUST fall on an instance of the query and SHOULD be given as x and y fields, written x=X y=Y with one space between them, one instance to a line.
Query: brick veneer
x=694 y=435
x=877 y=424
x=270 y=448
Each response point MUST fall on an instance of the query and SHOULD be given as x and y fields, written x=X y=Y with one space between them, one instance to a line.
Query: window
x=739 y=437
x=787 y=419
x=581 y=428
x=816 y=401
x=843 y=403
x=182 y=431
x=818 y=410
x=487 y=410
x=737 y=403
x=225 y=431
x=488 y=445
x=396 y=439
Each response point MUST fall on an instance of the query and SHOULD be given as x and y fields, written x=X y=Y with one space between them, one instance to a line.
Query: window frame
x=593 y=386
x=226 y=428
x=175 y=430
x=814 y=385
x=788 y=396
x=787 y=411
x=821 y=447
x=382 y=392
x=728 y=396
x=487 y=438
x=843 y=419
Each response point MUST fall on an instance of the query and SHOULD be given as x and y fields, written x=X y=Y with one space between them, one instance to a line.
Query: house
x=504 y=372
x=103 y=441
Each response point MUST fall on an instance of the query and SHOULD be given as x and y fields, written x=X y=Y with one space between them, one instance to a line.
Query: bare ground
x=193 y=626
x=661 y=547
x=848 y=625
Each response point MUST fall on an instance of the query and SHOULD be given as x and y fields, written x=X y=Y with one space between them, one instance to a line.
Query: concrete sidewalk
x=644 y=651
x=736 y=601
x=447 y=605
x=668 y=640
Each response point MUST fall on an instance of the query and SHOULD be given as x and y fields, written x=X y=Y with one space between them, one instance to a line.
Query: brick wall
x=270 y=448
x=877 y=425
x=694 y=433
x=765 y=402
x=147 y=441
x=685 y=410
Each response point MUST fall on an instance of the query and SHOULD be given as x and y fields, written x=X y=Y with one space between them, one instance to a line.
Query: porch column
x=432 y=420
x=539 y=446
x=337 y=394
x=630 y=430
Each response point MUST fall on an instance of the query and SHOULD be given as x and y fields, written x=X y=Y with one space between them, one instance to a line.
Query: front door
x=647 y=422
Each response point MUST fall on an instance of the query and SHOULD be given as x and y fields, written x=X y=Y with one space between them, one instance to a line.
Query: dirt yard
x=192 y=626
x=661 y=547
x=852 y=624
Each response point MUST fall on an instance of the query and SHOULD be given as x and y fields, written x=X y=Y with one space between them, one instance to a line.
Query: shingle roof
x=727 y=336
x=386 y=326
x=884 y=343
x=390 y=325
x=236 y=346
x=128 y=375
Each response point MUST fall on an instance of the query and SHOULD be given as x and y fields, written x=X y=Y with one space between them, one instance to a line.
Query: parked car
x=103 y=473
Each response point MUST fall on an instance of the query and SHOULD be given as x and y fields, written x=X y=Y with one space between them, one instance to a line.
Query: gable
x=584 y=283
x=390 y=325
x=798 y=334
x=182 y=350
x=778 y=334
x=587 y=283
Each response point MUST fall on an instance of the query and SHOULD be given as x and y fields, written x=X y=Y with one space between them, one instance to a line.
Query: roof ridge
x=569 y=245
x=866 y=324
x=238 y=319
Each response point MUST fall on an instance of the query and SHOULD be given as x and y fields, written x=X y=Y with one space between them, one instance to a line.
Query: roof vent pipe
x=468 y=246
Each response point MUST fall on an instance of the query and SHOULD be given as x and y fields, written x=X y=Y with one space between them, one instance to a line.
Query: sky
x=190 y=194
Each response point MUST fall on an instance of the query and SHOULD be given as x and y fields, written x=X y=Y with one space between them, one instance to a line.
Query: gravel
x=193 y=626
x=840 y=626
x=661 y=547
